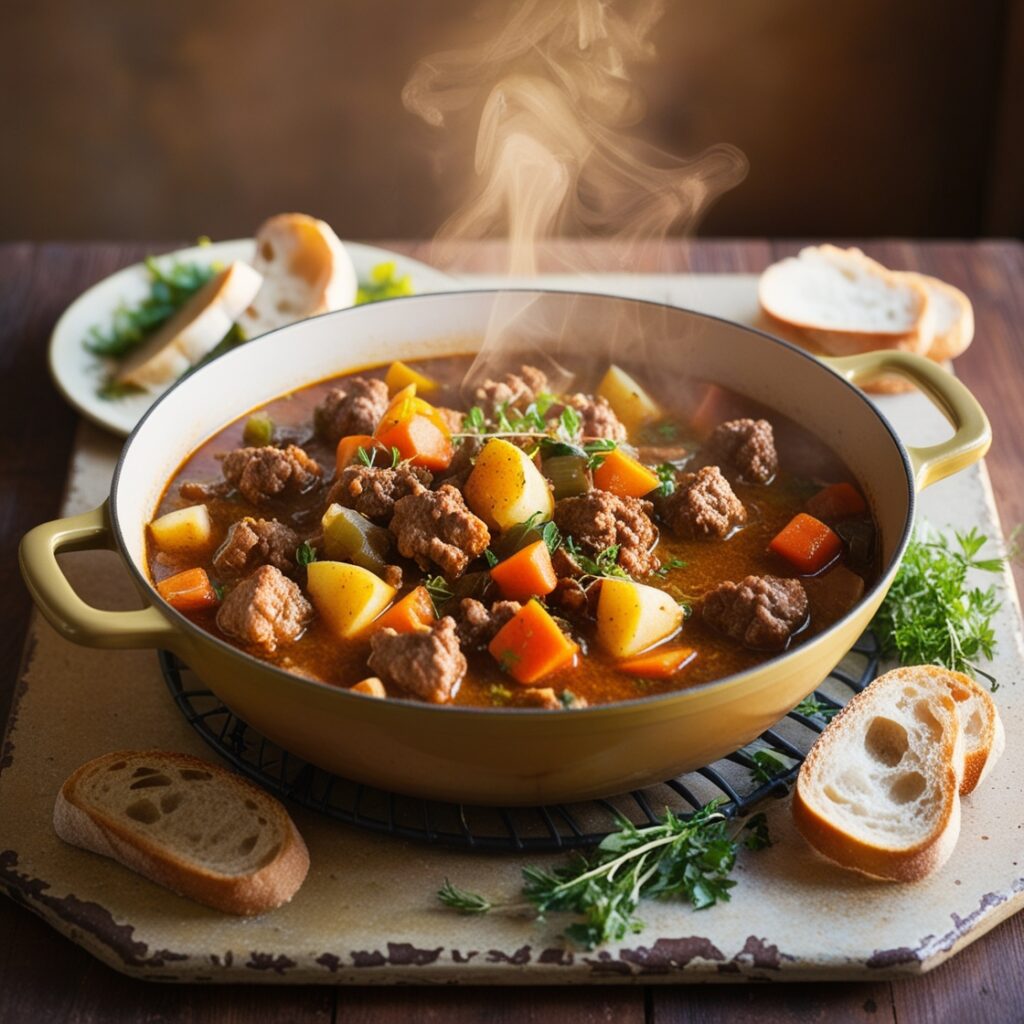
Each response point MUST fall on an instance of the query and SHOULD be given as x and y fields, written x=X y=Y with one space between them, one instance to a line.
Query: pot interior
x=549 y=326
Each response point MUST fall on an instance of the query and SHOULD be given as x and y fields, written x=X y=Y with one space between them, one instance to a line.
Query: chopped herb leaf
x=492 y=558
x=757 y=837
x=598 y=450
x=305 y=553
x=768 y=764
x=569 y=423
x=384 y=283
x=551 y=536
x=218 y=589
x=396 y=457
x=667 y=567
x=811 y=707
x=364 y=457
x=462 y=901
x=667 y=475
x=568 y=699
x=474 y=422
x=439 y=591
x=499 y=694
x=603 y=564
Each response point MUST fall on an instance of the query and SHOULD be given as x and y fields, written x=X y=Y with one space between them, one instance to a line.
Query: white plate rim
x=76 y=372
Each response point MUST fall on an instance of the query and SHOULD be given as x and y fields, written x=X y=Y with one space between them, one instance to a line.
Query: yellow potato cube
x=506 y=488
x=628 y=400
x=400 y=375
x=632 y=617
x=347 y=597
x=184 y=529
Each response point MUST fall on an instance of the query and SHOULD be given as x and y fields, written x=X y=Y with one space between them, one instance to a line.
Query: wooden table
x=43 y=977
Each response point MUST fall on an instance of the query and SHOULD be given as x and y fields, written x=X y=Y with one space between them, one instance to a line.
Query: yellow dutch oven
x=483 y=755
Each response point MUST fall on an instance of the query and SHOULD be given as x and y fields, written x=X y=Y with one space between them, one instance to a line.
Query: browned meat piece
x=466 y=451
x=265 y=610
x=451 y=418
x=354 y=408
x=598 y=519
x=436 y=526
x=746 y=446
x=564 y=564
x=516 y=390
x=703 y=505
x=372 y=491
x=429 y=664
x=569 y=597
x=539 y=697
x=193 y=490
x=254 y=542
x=392 y=576
x=597 y=417
x=478 y=624
x=761 y=612
x=262 y=474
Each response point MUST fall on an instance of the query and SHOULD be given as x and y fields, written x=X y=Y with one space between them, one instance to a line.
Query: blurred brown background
x=137 y=120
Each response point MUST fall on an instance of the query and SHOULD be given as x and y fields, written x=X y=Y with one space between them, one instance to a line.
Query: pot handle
x=63 y=608
x=972 y=433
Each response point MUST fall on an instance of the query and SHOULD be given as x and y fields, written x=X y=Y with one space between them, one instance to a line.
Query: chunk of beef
x=353 y=408
x=569 y=597
x=761 y=612
x=436 y=526
x=546 y=698
x=747 y=447
x=265 y=610
x=373 y=490
x=599 y=519
x=703 y=505
x=263 y=474
x=251 y=543
x=466 y=451
x=392 y=575
x=478 y=624
x=197 y=491
x=597 y=418
x=564 y=564
x=516 y=390
x=429 y=664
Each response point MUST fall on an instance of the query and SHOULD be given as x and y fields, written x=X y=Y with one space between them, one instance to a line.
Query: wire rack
x=741 y=780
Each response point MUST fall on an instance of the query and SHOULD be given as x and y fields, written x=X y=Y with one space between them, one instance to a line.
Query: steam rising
x=552 y=159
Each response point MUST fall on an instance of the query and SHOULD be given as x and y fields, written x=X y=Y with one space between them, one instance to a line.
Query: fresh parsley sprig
x=604 y=563
x=811 y=707
x=682 y=858
x=931 y=615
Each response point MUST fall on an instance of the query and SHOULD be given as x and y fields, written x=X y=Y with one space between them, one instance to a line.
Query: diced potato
x=506 y=488
x=371 y=686
x=185 y=529
x=628 y=400
x=347 y=597
x=632 y=617
x=400 y=375
x=348 y=536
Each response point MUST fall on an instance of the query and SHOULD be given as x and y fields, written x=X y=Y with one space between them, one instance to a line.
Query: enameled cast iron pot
x=495 y=756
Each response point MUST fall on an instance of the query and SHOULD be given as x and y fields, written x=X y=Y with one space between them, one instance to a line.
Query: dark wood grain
x=44 y=977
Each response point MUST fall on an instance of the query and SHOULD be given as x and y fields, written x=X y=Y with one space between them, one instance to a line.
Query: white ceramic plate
x=78 y=373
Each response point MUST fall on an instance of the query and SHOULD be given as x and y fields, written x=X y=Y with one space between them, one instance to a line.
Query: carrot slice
x=837 y=502
x=188 y=591
x=530 y=645
x=413 y=614
x=624 y=476
x=660 y=664
x=807 y=543
x=348 y=449
x=528 y=573
x=421 y=441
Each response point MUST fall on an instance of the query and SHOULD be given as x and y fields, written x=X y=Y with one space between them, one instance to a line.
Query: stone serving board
x=367 y=913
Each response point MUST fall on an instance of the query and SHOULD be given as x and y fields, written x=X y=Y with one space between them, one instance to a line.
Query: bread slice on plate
x=186 y=824
x=306 y=270
x=843 y=303
x=879 y=792
x=953 y=317
x=193 y=331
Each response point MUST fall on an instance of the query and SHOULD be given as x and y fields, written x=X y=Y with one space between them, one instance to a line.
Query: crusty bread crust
x=81 y=823
x=956 y=338
x=909 y=863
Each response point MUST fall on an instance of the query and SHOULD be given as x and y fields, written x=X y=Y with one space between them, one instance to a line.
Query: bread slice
x=306 y=269
x=879 y=792
x=953 y=317
x=185 y=824
x=192 y=332
x=844 y=303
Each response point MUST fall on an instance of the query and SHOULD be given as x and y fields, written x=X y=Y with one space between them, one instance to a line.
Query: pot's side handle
x=63 y=608
x=972 y=433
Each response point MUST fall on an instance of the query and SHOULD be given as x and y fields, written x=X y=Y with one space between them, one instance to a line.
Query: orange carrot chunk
x=530 y=645
x=188 y=591
x=420 y=440
x=528 y=573
x=348 y=451
x=660 y=664
x=624 y=476
x=837 y=502
x=413 y=614
x=807 y=543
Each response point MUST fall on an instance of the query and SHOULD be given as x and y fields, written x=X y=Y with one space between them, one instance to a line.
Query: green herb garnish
x=384 y=284
x=811 y=707
x=667 y=475
x=685 y=858
x=930 y=616
x=551 y=536
x=570 y=424
x=768 y=764
x=605 y=563
x=258 y=431
x=597 y=451
x=439 y=591
x=305 y=553
x=669 y=566
x=491 y=558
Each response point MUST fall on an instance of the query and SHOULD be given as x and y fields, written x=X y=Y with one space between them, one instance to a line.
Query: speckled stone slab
x=367 y=914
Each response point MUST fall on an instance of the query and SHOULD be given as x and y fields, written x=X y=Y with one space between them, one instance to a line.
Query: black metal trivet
x=740 y=779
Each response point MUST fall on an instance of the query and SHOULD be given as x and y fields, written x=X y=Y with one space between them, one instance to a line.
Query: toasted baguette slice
x=844 y=303
x=306 y=269
x=193 y=331
x=185 y=824
x=879 y=791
